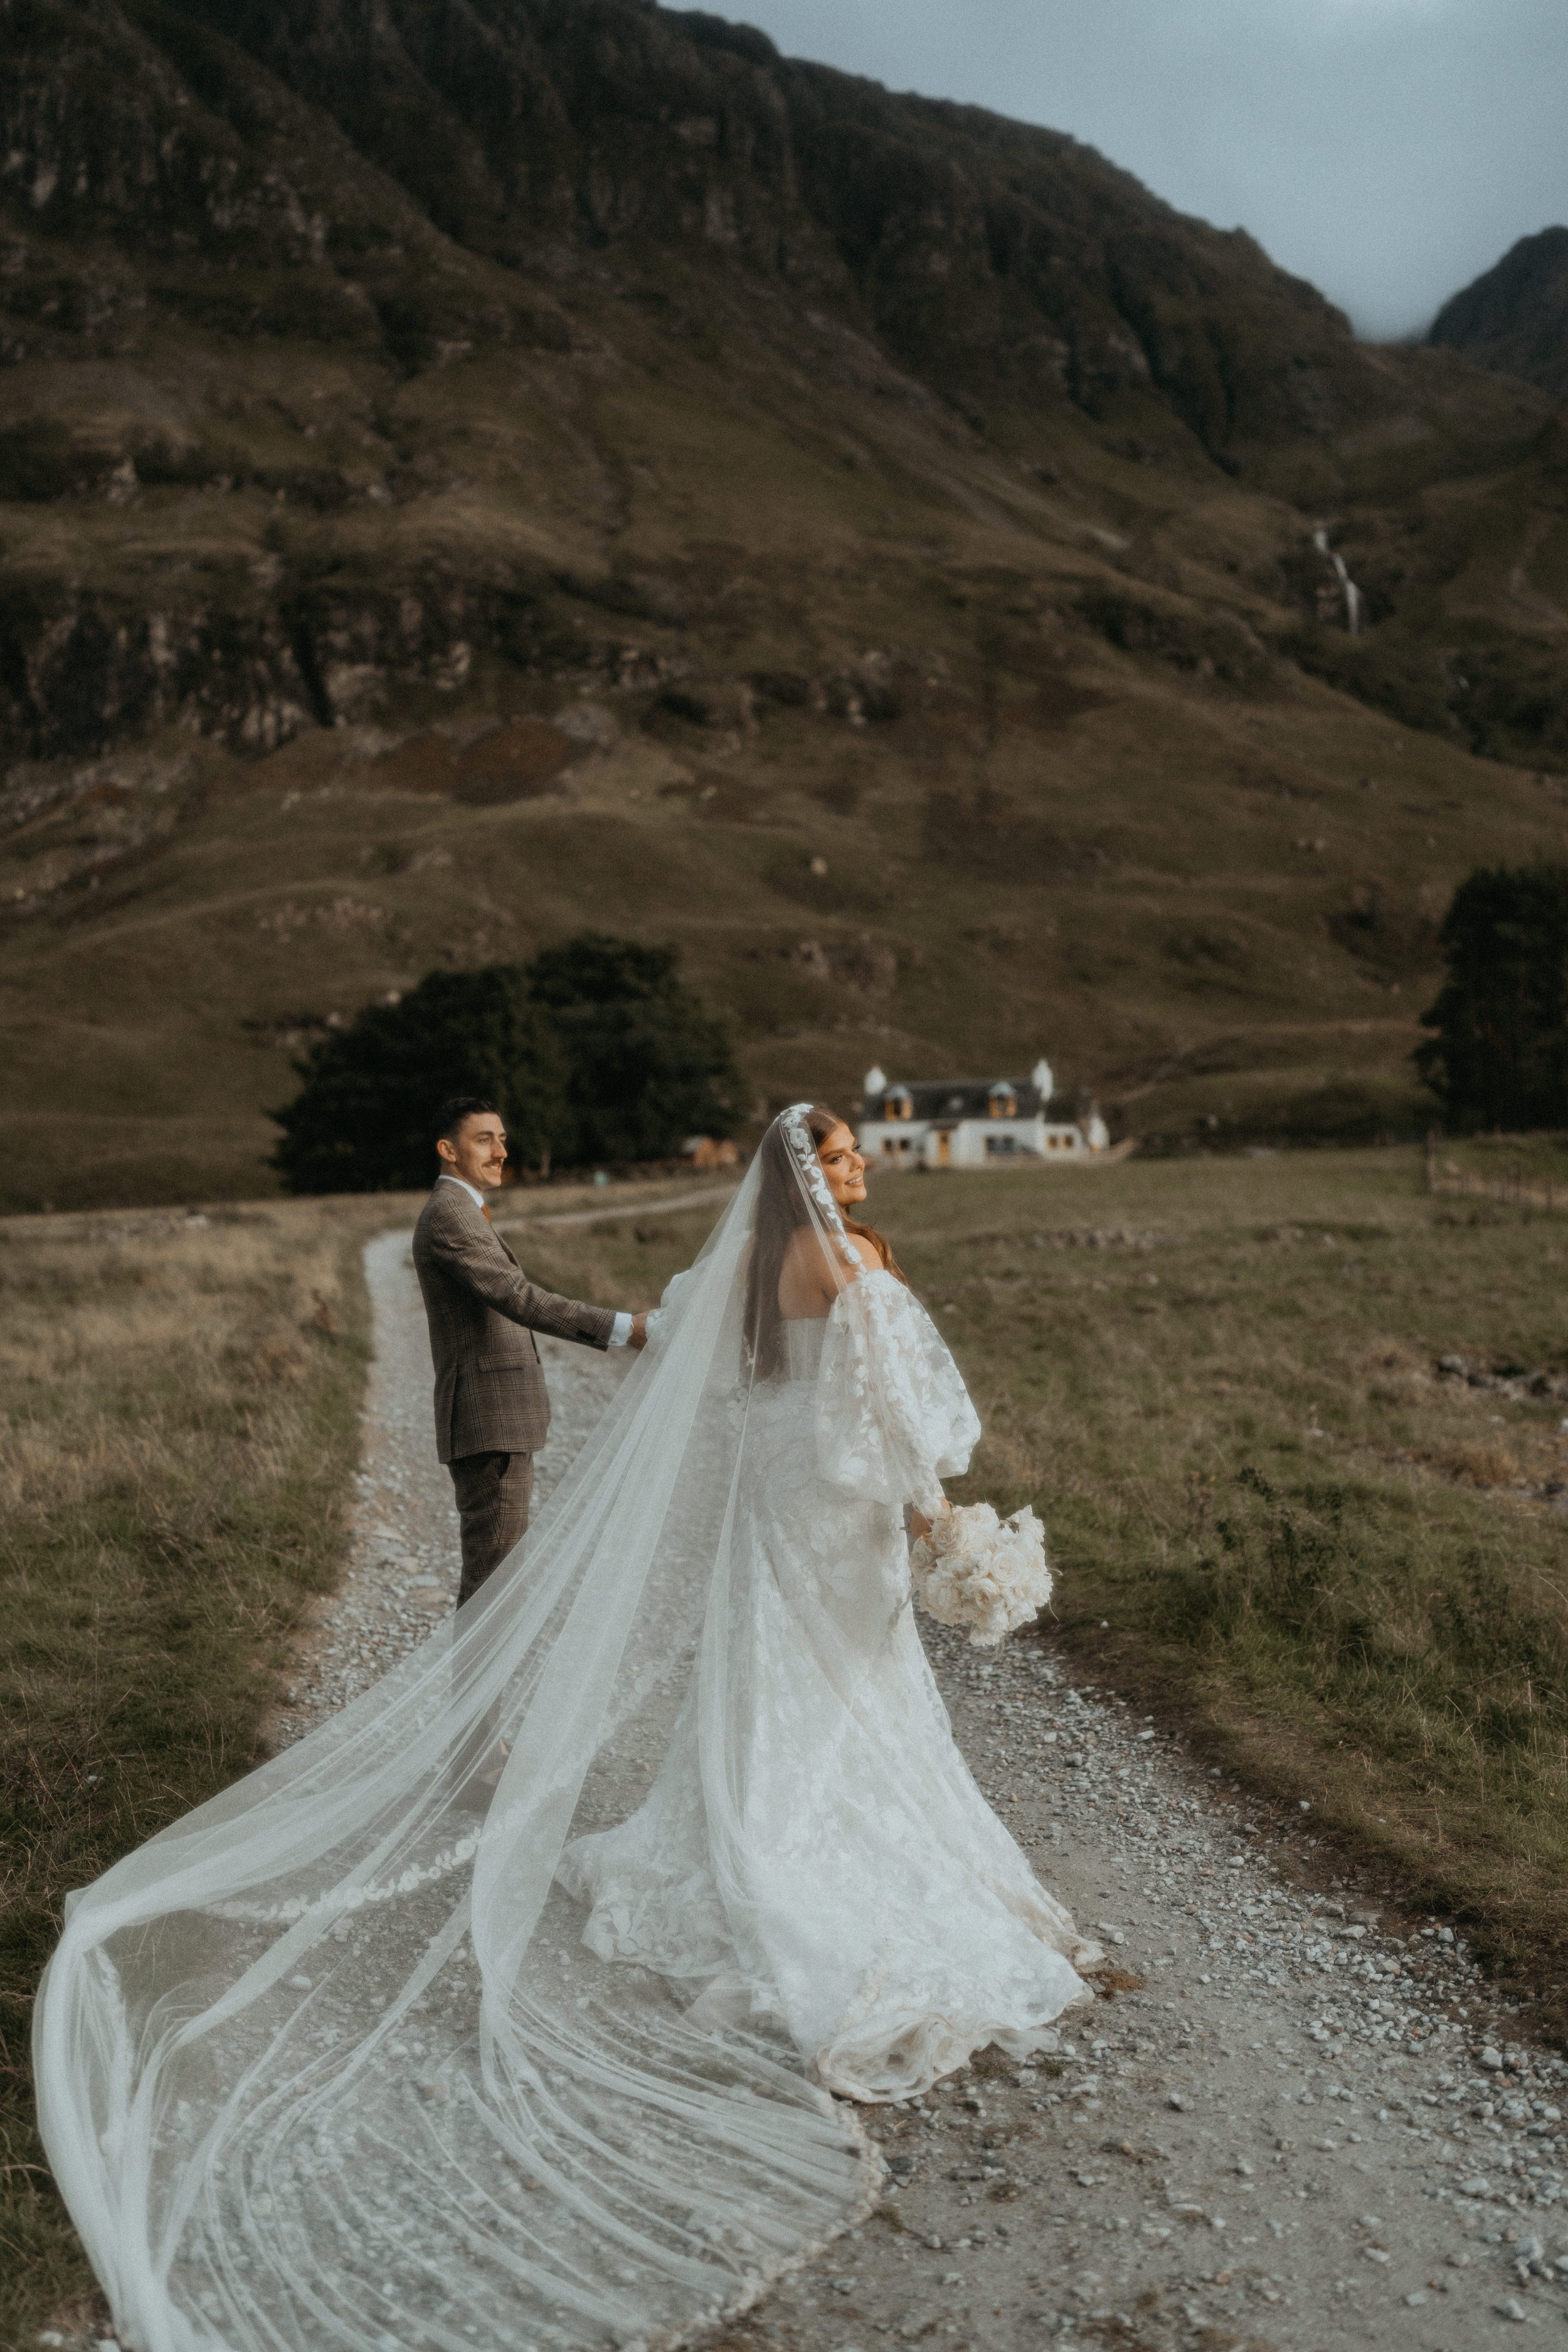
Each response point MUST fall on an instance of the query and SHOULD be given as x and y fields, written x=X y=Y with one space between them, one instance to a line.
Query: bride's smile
x=844 y=1167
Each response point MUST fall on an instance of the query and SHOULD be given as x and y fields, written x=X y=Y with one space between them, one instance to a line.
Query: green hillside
x=608 y=474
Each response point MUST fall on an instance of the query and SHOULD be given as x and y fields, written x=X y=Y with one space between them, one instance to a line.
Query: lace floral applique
x=893 y=1416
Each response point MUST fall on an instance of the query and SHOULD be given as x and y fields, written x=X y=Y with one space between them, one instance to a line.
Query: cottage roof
x=955 y=1098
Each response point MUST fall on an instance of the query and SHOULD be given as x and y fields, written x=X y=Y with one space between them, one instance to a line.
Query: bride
x=336 y=2061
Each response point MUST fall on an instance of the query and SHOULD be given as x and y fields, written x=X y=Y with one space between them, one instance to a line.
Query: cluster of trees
x=1498 y=1057
x=598 y=1050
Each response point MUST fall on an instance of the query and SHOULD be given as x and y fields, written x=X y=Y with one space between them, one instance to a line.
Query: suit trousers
x=493 y=1492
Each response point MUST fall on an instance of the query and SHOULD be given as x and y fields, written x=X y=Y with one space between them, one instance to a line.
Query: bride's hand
x=919 y=1523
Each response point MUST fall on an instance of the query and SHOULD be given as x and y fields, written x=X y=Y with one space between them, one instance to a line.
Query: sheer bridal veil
x=328 y=2062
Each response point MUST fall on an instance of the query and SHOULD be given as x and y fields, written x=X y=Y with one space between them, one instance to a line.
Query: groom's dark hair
x=450 y=1117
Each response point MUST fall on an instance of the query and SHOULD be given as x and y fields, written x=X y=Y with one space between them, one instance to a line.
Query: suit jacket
x=483 y=1311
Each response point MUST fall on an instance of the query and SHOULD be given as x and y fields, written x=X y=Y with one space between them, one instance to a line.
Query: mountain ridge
x=1513 y=318
x=590 y=123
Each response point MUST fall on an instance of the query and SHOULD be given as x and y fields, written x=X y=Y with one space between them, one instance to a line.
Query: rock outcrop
x=1514 y=318
x=307 y=308
x=324 y=167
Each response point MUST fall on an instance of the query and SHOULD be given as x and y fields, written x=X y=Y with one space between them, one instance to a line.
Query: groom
x=492 y=1410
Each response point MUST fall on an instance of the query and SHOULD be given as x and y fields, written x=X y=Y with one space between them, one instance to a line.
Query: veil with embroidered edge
x=330 y=2062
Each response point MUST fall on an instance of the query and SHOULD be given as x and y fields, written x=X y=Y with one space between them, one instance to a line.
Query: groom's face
x=478 y=1151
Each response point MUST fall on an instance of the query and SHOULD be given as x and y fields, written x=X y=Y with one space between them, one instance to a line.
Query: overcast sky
x=1388 y=149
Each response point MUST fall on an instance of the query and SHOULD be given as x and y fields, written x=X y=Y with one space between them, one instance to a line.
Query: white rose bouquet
x=986 y=1574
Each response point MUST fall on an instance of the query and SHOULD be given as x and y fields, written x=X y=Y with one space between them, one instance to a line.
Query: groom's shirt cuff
x=620 y=1332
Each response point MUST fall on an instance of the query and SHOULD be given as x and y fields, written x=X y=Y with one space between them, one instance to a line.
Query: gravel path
x=1305 y=2126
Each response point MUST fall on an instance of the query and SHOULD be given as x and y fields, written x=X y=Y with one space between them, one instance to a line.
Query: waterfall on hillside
x=1355 y=604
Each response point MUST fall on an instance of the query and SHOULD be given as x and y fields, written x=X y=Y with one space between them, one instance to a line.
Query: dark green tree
x=361 y=1123
x=646 y=1065
x=1499 y=1055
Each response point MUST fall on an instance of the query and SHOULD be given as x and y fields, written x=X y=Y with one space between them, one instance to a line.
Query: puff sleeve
x=893 y=1416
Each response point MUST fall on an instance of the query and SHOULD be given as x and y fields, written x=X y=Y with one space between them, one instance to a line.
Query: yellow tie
x=484 y=1210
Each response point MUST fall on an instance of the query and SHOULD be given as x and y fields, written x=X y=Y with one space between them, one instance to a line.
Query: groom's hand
x=637 y=1335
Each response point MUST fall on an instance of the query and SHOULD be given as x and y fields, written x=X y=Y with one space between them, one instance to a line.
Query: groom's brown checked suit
x=492 y=1409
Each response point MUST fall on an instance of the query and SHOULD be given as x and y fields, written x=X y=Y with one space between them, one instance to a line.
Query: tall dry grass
x=1273 y=1515
x=178 y=1431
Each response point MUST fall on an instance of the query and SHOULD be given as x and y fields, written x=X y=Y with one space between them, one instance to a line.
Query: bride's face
x=843 y=1166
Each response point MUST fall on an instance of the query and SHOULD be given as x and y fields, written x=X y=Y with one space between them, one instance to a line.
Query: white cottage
x=973 y=1123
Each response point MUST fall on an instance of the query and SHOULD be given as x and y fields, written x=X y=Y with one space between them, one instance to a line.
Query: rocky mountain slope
x=1514 y=316
x=470 y=470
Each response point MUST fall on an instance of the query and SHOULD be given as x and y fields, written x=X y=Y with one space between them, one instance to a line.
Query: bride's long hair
x=782 y=1211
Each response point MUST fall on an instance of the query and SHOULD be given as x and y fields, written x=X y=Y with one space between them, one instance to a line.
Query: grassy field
x=178 y=1427
x=1273 y=1519
x=1274 y=1522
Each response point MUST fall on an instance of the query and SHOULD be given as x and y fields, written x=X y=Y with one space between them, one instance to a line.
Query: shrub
x=645 y=1064
x=1499 y=1055
x=598 y=1050
x=361 y=1123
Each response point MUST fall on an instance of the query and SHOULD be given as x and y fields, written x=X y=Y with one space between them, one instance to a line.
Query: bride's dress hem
x=848 y=2067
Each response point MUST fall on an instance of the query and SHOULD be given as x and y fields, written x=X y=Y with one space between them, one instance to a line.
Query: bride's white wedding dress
x=850 y=1881
x=360 y=2057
